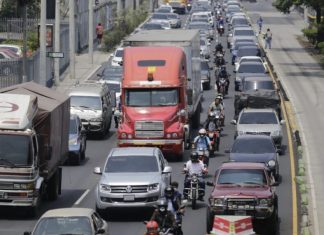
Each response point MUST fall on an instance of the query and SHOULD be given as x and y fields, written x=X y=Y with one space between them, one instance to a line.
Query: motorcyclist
x=217 y=106
x=222 y=73
x=152 y=228
x=174 y=206
x=202 y=141
x=219 y=48
x=175 y=187
x=194 y=166
x=211 y=119
x=163 y=217
x=220 y=23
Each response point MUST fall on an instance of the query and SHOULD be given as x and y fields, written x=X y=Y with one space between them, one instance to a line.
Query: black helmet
x=162 y=206
x=194 y=156
x=168 y=192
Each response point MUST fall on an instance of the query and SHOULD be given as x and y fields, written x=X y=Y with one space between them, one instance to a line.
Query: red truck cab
x=154 y=99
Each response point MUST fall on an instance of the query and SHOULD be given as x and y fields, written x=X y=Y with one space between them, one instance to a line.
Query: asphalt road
x=79 y=182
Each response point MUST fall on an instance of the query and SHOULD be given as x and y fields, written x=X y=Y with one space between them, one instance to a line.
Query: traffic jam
x=188 y=95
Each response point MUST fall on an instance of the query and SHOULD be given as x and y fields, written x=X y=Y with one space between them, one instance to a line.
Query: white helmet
x=202 y=131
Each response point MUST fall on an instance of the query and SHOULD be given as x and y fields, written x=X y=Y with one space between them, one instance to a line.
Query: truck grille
x=149 y=129
x=129 y=189
x=241 y=204
x=6 y=186
x=258 y=133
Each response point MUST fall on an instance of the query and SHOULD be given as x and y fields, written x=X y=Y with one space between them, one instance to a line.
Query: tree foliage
x=12 y=9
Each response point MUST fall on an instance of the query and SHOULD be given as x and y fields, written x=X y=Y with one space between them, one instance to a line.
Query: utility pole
x=57 y=41
x=91 y=31
x=42 y=41
x=24 y=74
x=72 y=39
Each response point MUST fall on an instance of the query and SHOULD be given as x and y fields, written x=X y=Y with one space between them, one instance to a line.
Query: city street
x=79 y=182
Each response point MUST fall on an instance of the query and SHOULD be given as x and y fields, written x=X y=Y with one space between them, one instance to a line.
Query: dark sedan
x=256 y=148
x=247 y=69
x=77 y=140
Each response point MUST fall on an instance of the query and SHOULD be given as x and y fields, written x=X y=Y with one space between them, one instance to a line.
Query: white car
x=250 y=59
x=205 y=14
x=164 y=23
x=117 y=58
x=14 y=48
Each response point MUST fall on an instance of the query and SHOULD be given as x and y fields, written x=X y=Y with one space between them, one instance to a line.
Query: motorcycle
x=219 y=59
x=222 y=86
x=203 y=153
x=213 y=133
x=163 y=230
x=220 y=30
x=193 y=192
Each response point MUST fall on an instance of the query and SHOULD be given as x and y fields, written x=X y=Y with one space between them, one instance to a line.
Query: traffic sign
x=55 y=54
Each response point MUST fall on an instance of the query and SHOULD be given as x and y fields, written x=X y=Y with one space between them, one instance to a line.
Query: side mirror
x=167 y=170
x=99 y=75
x=233 y=122
x=27 y=233
x=48 y=151
x=189 y=96
x=97 y=170
x=274 y=184
x=101 y=231
x=208 y=183
x=282 y=122
x=182 y=113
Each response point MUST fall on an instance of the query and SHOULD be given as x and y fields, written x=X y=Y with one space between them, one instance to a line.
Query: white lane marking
x=82 y=197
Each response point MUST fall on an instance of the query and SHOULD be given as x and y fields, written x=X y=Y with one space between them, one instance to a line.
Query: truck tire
x=272 y=224
x=210 y=222
x=53 y=187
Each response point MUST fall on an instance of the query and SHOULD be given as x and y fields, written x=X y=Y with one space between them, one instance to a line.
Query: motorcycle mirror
x=184 y=202
x=208 y=183
x=233 y=122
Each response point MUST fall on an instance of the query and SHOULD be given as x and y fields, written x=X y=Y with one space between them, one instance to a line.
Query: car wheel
x=210 y=222
x=101 y=212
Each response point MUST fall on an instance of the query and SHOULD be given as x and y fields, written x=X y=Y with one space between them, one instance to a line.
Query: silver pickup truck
x=132 y=177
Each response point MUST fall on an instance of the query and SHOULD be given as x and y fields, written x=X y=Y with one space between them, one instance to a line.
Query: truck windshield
x=151 y=97
x=87 y=102
x=15 y=150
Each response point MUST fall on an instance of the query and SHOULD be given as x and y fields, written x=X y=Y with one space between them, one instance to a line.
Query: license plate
x=128 y=198
x=240 y=213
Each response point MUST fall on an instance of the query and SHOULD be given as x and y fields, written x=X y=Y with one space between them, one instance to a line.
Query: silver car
x=260 y=122
x=132 y=177
x=240 y=33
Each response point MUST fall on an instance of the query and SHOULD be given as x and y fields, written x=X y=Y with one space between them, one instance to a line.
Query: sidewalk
x=303 y=80
x=83 y=69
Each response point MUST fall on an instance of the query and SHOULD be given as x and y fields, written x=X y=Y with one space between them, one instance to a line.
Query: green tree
x=13 y=8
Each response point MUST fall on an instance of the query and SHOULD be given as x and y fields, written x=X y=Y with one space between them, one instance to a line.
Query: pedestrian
x=99 y=32
x=268 y=39
x=260 y=22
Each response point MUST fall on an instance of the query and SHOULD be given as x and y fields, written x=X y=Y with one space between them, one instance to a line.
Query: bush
x=321 y=47
x=310 y=34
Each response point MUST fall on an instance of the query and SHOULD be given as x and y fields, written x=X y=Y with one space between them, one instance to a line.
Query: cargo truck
x=34 y=134
x=161 y=65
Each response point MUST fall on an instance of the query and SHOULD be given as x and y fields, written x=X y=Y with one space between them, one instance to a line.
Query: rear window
x=253 y=51
x=148 y=63
x=251 y=68
x=255 y=85
x=160 y=16
x=253 y=145
x=258 y=118
x=243 y=32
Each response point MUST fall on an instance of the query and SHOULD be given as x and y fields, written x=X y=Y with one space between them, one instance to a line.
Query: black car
x=205 y=74
x=261 y=82
x=256 y=148
x=77 y=140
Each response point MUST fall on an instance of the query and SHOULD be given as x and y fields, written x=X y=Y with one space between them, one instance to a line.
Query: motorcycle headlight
x=272 y=163
x=73 y=141
x=153 y=187
x=106 y=188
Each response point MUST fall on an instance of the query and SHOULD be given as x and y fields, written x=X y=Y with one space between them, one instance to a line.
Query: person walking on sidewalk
x=268 y=39
x=99 y=32
x=260 y=22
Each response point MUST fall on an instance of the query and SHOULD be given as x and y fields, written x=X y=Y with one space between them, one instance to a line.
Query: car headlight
x=106 y=188
x=168 y=135
x=129 y=136
x=276 y=133
x=153 y=187
x=265 y=201
x=174 y=135
x=123 y=135
x=272 y=163
x=96 y=119
x=240 y=132
x=73 y=141
x=218 y=202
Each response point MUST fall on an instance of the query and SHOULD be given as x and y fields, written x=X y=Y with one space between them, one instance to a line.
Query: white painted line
x=82 y=197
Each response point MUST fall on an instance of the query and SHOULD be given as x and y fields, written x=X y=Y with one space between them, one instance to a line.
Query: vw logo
x=129 y=189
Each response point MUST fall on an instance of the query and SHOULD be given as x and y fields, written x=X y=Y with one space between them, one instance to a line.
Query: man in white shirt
x=194 y=166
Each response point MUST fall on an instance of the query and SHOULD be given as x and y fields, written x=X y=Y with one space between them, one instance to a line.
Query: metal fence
x=103 y=13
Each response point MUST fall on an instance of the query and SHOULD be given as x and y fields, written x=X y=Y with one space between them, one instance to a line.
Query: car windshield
x=199 y=26
x=151 y=97
x=129 y=164
x=64 y=225
x=232 y=8
x=73 y=126
x=240 y=21
x=15 y=150
x=199 y=19
x=111 y=74
x=160 y=16
x=255 y=85
x=242 y=176
x=258 y=118
x=87 y=102
x=253 y=145
x=152 y=26
x=173 y=16
x=240 y=44
x=243 y=32
x=164 y=10
x=119 y=53
x=114 y=87
x=251 y=68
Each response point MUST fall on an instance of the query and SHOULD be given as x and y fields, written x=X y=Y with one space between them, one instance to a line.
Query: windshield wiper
x=231 y=183
x=254 y=183
x=7 y=162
